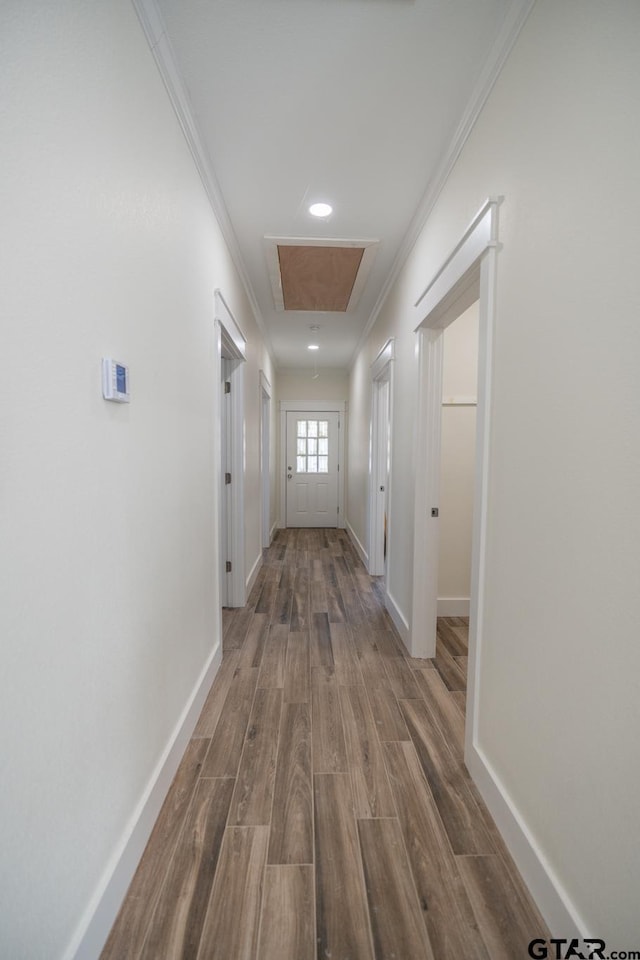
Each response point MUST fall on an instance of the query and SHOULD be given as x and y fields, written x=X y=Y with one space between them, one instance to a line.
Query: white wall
x=458 y=444
x=558 y=698
x=108 y=583
x=298 y=384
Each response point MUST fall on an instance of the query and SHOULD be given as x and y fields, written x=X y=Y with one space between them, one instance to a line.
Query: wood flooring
x=322 y=810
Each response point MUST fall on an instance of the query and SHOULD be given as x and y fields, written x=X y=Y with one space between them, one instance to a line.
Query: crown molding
x=513 y=23
x=155 y=32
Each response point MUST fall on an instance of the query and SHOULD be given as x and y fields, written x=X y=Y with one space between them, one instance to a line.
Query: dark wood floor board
x=371 y=791
x=231 y=926
x=343 y=929
x=320 y=641
x=177 y=922
x=447 y=912
x=456 y=805
x=443 y=710
x=386 y=712
x=254 y=642
x=353 y=608
x=292 y=820
x=266 y=602
x=274 y=656
x=318 y=598
x=401 y=677
x=237 y=631
x=396 y=918
x=208 y=719
x=329 y=751
x=460 y=699
x=228 y=615
x=226 y=744
x=283 y=605
x=301 y=606
x=317 y=571
x=417 y=663
x=253 y=795
x=322 y=742
x=336 y=610
x=450 y=638
x=344 y=655
x=450 y=670
x=505 y=919
x=287 y=927
x=297 y=673
x=387 y=641
x=128 y=933
x=256 y=589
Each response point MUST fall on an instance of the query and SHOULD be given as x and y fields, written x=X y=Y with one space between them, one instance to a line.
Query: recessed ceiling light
x=313 y=346
x=320 y=209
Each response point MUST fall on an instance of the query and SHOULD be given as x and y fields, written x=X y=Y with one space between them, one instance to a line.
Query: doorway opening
x=467 y=275
x=265 y=459
x=380 y=461
x=230 y=356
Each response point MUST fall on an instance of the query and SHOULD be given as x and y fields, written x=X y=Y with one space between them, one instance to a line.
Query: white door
x=312 y=469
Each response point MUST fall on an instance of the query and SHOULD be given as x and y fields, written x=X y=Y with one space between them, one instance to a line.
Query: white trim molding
x=453 y=606
x=155 y=31
x=380 y=461
x=311 y=406
x=94 y=928
x=400 y=621
x=362 y=553
x=513 y=23
x=231 y=344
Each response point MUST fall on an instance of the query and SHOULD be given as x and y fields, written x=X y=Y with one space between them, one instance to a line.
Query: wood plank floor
x=323 y=809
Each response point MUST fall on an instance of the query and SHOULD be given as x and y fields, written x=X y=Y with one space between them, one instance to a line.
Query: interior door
x=312 y=469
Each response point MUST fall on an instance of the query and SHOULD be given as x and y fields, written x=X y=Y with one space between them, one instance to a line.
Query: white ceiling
x=357 y=102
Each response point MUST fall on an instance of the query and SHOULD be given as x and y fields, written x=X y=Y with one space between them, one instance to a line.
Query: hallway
x=322 y=804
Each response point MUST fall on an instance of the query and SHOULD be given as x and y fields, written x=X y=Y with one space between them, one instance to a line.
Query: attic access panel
x=318 y=275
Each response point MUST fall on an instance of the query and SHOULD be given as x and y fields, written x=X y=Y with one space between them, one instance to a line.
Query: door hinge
x=227 y=478
x=435 y=512
x=227 y=386
x=337 y=509
x=228 y=566
x=338 y=468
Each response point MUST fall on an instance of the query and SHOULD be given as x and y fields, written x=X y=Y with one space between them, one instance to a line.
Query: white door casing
x=380 y=460
x=468 y=274
x=312 y=468
x=230 y=346
x=265 y=459
x=309 y=410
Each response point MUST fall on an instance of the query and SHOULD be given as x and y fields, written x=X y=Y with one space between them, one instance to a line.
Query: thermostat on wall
x=115 y=381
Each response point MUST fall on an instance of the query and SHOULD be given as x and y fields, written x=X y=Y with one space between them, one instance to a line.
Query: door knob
x=289 y=475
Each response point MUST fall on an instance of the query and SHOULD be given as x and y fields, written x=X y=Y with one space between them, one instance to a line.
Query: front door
x=312 y=469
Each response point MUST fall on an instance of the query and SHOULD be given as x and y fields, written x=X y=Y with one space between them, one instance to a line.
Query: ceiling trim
x=513 y=23
x=271 y=245
x=155 y=32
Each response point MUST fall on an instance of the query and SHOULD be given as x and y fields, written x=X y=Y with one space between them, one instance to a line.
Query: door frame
x=380 y=445
x=265 y=460
x=231 y=343
x=467 y=275
x=312 y=406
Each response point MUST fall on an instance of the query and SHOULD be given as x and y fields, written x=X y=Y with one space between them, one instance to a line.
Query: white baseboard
x=453 y=606
x=94 y=928
x=400 y=623
x=551 y=898
x=362 y=553
x=253 y=575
